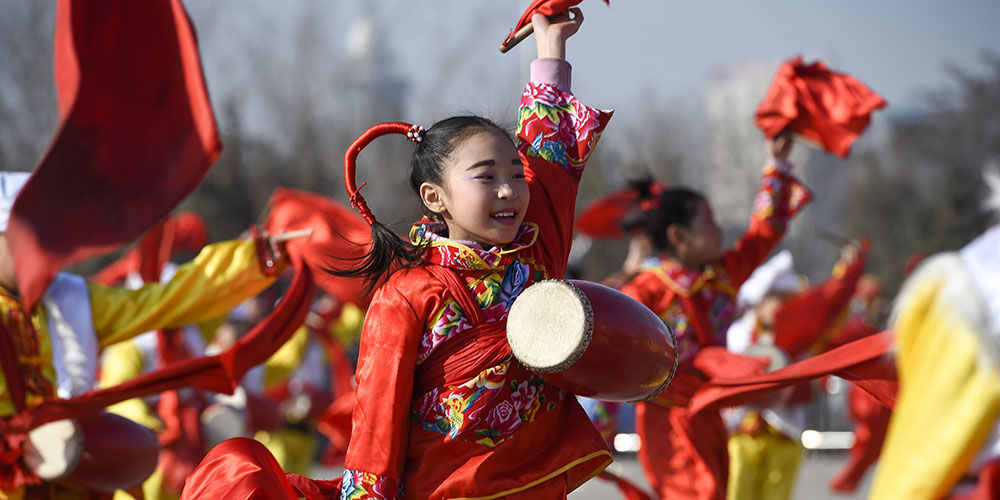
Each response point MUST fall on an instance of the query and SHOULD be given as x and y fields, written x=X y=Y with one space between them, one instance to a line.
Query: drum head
x=53 y=449
x=550 y=326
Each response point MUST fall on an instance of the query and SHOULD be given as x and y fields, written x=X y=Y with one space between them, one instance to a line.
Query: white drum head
x=550 y=325
x=53 y=449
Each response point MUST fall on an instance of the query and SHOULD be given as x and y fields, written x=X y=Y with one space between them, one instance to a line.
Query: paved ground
x=817 y=469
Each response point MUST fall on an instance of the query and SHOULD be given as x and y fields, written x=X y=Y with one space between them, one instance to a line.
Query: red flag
x=823 y=106
x=137 y=135
x=340 y=237
x=544 y=7
x=603 y=217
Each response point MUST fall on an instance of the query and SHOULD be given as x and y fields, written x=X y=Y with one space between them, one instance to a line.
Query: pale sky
x=626 y=55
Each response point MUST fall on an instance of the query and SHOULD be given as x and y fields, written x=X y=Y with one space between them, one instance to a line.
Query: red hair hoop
x=413 y=133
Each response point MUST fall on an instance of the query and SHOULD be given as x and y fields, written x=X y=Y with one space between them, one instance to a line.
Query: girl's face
x=701 y=242
x=485 y=195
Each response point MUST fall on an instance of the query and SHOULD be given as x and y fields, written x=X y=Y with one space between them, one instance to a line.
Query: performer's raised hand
x=552 y=32
x=781 y=146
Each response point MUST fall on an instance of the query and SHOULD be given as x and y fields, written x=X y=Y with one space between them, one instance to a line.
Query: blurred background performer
x=944 y=430
x=76 y=319
x=694 y=289
x=789 y=322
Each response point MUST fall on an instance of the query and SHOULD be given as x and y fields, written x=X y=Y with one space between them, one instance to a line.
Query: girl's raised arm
x=557 y=135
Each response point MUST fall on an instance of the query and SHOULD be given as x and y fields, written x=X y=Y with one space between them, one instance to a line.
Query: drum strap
x=482 y=346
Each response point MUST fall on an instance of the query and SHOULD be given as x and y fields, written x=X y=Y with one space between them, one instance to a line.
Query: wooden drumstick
x=517 y=38
x=291 y=235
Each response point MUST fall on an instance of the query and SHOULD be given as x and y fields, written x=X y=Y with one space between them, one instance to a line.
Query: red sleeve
x=648 y=290
x=386 y=365
x=779 y=198
x=557 y=135
x=801 y=321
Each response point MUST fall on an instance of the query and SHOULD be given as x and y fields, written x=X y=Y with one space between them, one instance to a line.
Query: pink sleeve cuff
x=780 y=166
x=553 y=71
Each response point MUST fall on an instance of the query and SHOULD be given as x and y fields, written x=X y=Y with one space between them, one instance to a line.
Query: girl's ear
x=432 y=197
x=676 y=235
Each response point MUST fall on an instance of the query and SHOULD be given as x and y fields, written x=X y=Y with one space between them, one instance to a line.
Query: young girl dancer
x=694 y=290
x=443 y=410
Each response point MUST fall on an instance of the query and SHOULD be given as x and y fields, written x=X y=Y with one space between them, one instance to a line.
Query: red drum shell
x=118 y=453
x=631 y=354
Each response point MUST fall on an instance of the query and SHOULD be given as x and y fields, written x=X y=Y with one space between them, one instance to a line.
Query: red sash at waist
x=458 y=360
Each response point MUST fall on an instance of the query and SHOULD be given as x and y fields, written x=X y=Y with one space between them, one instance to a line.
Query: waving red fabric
x=628 y=489
x=603 y=217
x=827 y=107
x=805 y=322
x=339 y=235
x=867 y=363
x=544 y=7
x=137 y=135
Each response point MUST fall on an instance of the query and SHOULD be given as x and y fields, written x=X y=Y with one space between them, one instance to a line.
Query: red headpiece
x=413 y=133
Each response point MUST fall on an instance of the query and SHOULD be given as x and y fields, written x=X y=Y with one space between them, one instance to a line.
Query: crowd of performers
x=219 y=378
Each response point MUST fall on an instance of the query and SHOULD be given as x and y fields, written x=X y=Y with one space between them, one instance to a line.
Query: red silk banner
x=824 y=106
x=137 y=135
x=340 y=238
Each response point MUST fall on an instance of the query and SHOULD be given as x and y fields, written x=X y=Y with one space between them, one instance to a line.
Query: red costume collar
x=467 y=255
x=688 y=282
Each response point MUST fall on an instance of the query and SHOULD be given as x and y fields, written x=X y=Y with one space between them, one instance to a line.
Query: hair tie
x=413 y=133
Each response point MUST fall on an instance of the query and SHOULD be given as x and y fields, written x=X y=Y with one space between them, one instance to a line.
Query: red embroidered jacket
x=502 y=429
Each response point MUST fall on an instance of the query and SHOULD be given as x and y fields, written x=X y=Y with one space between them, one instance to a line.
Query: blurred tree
x=922 y=190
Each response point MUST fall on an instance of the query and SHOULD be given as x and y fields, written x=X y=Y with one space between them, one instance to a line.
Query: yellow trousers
x=762 y=465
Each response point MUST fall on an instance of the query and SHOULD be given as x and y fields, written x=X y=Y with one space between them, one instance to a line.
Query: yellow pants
x=152 y=489
x=292 y=448
x=762 y=465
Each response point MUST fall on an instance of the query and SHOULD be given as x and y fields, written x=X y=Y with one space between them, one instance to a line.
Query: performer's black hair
x=675 y=205
x=390 y=251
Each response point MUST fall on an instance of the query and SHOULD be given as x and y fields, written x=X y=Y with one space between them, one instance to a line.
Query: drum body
x=102 y=452
x=592 y=340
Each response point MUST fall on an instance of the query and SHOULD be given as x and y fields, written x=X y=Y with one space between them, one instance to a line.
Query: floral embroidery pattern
x=447 y=322
x=711 y=288
x=358 y=485
x=445 y=252
x=687 y=340
x=720 y=316
x=780 y=197
x=555 y=126
x=489 y=408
